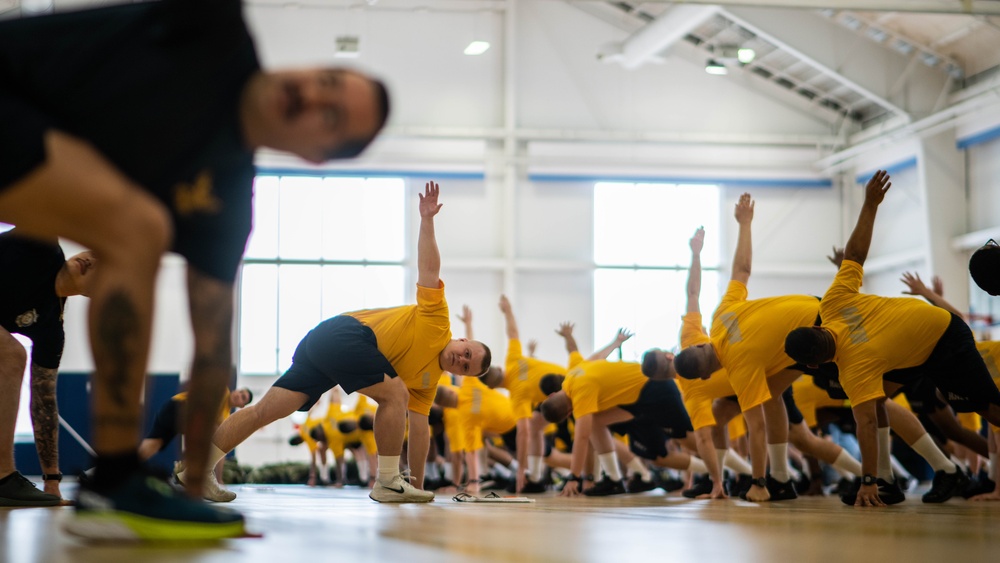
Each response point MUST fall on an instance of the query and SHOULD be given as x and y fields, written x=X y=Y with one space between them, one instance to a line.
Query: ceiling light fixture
x=477 y=48
x=715 y=67
x=746 y=56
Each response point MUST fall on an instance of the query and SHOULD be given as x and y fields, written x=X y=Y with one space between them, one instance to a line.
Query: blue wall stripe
x=891 y=169
x=265 y=171
x=735 y=182
x=978 y=138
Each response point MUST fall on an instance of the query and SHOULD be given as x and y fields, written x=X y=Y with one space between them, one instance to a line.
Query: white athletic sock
x=388 y=468
x=736 y=462
x=214 y=455
x=536 y=468
x=793 y=473
x=778 y=454
x=697 y=466
x=884 y=468
x=928 y=450
x=609 y=463
x=448 y=473
x=637 y=467
x=992 y=466
x=845 y=463
x=501 y=470
x=898 y=469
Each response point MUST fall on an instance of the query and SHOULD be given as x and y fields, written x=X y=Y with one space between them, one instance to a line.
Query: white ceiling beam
x=987 y=7
x=659 y=35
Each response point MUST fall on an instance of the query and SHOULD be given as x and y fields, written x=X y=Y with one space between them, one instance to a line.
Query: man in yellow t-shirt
x=747 y=339
x=167 y=423
x=868 y=336
x=393 y=355
x=601 y=395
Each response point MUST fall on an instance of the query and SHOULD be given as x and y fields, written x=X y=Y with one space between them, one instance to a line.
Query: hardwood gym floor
x=302 y=525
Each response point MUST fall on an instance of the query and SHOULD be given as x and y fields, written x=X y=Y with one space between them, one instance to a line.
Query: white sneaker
x=213 y=490
x=399 y=490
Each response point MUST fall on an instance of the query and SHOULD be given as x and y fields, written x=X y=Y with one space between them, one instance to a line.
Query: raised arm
x=861 y=238
x=620 y=338
x=508 y=317
x=566 y=331
x=466 y=318
x=917 y=287
x=743 y=258
x=696 y=243
x=428 y=256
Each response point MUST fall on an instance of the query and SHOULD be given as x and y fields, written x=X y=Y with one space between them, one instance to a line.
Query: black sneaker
x=670 y=484
x=146 y=508
x=843 y=487
x=702 y=486
x=19 y=491
x=739 y=486
x=781 y=491
x=890 y=493
x=606 y=487
x=945 y=486
x=980 y=486
x=532 y=487
x=849 y=492
x=637 y=485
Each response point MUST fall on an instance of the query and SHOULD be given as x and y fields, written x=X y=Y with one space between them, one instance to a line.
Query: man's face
x=315 y=112
x=664 y=363
x=462 y=357
x=81 y=269
x=703 y=353
x=239 y=398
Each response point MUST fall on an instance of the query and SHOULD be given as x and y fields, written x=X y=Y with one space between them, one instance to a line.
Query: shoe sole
x=400 y=500
x=133 y=527
x=224 y=495
x=27 y=503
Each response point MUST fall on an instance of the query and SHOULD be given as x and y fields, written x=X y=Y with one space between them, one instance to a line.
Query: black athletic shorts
x=826 y=377
x=659 y=415
x=923 y=396
x=956 y=368
x=339 y=351
x=166 y=425
x=510 y=439
x=794 y=414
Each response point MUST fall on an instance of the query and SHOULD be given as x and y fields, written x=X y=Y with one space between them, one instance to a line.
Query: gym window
x=642 y=257
x=321 y=245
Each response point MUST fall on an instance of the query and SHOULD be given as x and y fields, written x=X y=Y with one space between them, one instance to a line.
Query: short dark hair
x=551 y=383
x=686 y=364
x=249 y=395
x=295 y=440
x=353 y=147
x=487 y=360
x=807 y=346
x=347 y=426
x=984 y=266
x=649 y=364
x=553 y=411
x=435 y=416
x=317 y=433
x=366 y=422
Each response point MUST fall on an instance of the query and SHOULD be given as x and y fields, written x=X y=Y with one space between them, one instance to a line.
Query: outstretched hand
x=876 y=188
x=465 y=316
x=532 y=346
x=744 y=209
x=838 y=257
x=916 y=285
x=937 y=286
x=504 y=305
x=623 y=335
x=697 y=242
x=565 y=329
x=429 y=205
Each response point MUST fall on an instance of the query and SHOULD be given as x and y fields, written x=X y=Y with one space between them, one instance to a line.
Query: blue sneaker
x=147 y=508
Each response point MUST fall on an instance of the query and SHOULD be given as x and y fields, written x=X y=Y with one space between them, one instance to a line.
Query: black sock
x=112 y=470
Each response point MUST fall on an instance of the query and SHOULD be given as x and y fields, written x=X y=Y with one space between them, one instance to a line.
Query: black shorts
x=923 y=396
x=794 y=414
x=956 y=368
x=659 y=415
x=510 y=439
x=826 y=377
x=166 y=425
x=340 y=351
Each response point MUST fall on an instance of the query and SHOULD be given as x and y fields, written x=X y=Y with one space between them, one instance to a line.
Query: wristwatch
x=760 y=482
x=867 y=479
x=51 y=476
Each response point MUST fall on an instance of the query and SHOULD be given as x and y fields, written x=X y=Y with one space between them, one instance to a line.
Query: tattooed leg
x=45 y=422
x=12 y=362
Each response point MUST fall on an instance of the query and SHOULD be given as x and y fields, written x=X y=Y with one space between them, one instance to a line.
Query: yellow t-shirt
x=304 y=432
x=809 y=397
x=224 y=408
x=876 y=334
x=411 y=337
x=599 y=385
x=482 y=409
x=522 y=378
x=699 y=393
x=749 y=338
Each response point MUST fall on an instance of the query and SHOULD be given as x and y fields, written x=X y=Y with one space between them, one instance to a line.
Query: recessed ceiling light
x=715 y=67
x=477 y=48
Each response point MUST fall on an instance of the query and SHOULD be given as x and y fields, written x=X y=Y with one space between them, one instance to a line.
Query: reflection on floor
x=301 y=525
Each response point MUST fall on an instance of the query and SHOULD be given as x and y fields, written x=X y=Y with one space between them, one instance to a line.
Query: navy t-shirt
x=28 y=301
x=155 y=87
